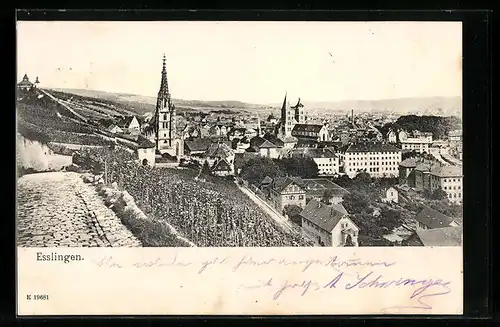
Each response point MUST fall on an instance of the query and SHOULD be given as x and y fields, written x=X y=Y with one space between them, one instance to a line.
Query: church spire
x=164 y=93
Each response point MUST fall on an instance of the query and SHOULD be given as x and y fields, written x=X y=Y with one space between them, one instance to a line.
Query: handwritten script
x=343 y=274
x=238 y=263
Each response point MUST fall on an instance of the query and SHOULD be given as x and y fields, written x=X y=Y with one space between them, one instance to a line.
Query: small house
x=146 y=151
x=286 y=191
x=328 y=226
x=390 y=195
x=114 y=129
x=429 y=218
x=445 y=236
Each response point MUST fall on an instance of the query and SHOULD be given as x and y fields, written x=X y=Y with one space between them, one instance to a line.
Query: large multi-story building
x=449 y=179
x=326 y=159
x=418 y=141
x=313 y=132
x=376 y=159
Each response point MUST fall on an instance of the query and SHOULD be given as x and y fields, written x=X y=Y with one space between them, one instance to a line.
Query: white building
x=392 y=136
x=418 y=141
x=376 y=159
x=328 y=226
x=265 y=147
x=449 y=179
x=326 y=159
x=390 y=195
x=315 y=132
x=146 y=152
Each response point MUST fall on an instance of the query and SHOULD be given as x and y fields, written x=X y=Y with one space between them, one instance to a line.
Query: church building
x=163 y=126
x=290 y=116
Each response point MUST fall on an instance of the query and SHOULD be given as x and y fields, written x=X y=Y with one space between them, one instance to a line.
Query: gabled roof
x=433 y=219
x=261 y=143
x=317 y=186
x=409 y=163
x=267 y=180
x=113 y=126
x=310 y=128
x=446 y=236
x=322 y=215
x=273 y=139
x=125 y=122
x=447 y=171
x=280 y=183
x=25 y=83
x=221 y=165
x=219 y=150
x=198 y=144
x=144 y=143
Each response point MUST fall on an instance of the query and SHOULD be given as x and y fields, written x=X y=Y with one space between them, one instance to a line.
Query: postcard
x=239 y=168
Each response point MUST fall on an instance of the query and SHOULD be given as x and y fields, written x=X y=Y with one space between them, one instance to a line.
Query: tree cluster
x=255 y=169
x=438 y=126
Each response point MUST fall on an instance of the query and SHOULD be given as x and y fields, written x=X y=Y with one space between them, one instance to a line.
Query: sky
x=253 y=62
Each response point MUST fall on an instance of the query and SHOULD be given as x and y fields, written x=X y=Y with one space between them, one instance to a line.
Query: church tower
x=165 y=114
x=287 y=119
x=299 y=113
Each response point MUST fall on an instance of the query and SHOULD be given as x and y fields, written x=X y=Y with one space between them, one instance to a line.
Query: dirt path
x=281 y=220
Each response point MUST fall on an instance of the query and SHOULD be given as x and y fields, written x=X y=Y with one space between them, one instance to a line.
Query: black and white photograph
x=239 y=167
x=239 y=134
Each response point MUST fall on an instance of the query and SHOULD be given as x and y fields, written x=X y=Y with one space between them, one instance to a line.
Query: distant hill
x=438 y=106
x=140 y=101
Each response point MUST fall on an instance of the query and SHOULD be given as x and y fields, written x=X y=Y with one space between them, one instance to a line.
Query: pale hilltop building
x=163 y=126
x=26 y=84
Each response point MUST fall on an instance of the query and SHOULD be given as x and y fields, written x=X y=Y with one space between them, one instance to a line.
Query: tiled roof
x=280 y=183
x=259 y=142
x=447 y=171
x=433 y=219
x=322 y=215
x=144 y=143
x=446 y=236
x=424 y=166
x=25 y=83
x=219 y=150
x=221 y=165
x=273 y=139
x=317 y=186
x=125 y=122
x=288 y=139
x=409 y=163
x=198 y=144
x=266 y=180
x=372 y=147
x=313 y=152
x=307 y=128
